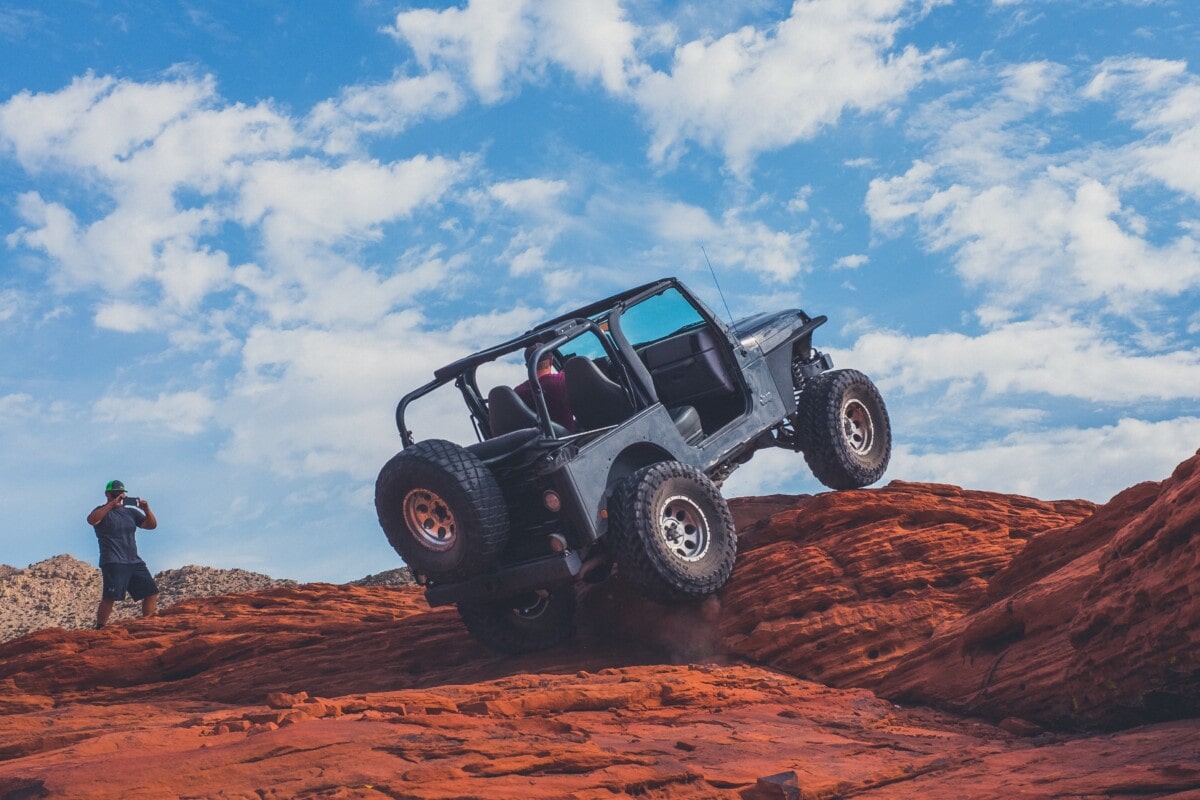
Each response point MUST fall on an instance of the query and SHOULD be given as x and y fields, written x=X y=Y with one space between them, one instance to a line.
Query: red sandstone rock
x=910 y=590
x=1098 y=626
x=842 y=585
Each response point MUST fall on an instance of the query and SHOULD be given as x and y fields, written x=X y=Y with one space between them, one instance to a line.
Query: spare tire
x=844 y=429
x=442 y=510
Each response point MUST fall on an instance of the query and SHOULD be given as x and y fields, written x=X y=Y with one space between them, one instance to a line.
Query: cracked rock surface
x=914 y=640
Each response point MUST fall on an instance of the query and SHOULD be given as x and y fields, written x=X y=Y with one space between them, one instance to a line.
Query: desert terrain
x=912 y=640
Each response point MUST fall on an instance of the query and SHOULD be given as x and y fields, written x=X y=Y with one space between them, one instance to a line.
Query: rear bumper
x=544 y=573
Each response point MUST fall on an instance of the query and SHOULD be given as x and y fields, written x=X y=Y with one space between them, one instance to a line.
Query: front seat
x=599 y=401
x=596 y=400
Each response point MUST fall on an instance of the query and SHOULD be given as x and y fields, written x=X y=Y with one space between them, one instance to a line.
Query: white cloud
x=1051 y=464
x=134 y=147
x=95 y=123
x=484 y=330
x=1162 y=99
x=10 y=304
x=1088 y=463
x=749 y=91
x=851 y=261
x=307 y=201
x=1039 y=227
x=1056 y=358
x=126 y=317
x=494 y=42
x=310 y=402
x=772 y=472
x=388 y=108
x=177 y=171
x=191 y=274
x=537 y=195
x=753 y=90
x=124 y=249
x=591 y=38
x=737 y=240
x=187 y=412
x=1054 y=236
x=17 y=405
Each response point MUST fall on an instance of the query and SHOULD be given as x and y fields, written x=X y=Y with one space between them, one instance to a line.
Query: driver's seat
x=598 y=401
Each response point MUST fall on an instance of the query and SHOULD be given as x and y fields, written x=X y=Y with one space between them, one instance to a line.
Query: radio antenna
x=718 y=283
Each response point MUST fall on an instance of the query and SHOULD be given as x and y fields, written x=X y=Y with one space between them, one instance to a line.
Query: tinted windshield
x=658 y=317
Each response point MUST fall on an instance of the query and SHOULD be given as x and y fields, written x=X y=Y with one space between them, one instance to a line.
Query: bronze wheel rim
x=430 y=520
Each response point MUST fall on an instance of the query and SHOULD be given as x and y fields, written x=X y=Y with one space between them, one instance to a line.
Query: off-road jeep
x=667 y=400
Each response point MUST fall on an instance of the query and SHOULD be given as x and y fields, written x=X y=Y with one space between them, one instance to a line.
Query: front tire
x=672 y=533
x=844 y=429
x=442 y=510
x=525 y=623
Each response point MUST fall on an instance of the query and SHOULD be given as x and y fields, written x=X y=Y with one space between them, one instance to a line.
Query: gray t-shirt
x=116 y=533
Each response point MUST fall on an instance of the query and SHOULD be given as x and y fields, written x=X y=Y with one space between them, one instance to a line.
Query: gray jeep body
x=705 y=393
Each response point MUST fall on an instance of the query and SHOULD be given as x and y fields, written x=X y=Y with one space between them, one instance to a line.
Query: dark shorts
x=132 y=578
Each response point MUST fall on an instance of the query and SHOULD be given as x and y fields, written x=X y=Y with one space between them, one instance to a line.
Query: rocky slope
x=62 y=592
x=1097 y=624
x=913 y=640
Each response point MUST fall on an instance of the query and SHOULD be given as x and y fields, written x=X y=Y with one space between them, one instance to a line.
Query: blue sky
x=232 y=235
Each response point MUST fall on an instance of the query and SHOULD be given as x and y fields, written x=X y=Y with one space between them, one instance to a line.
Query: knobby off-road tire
x=844 y=429
x=442 y=510
x=672 y=533
x=523 y=624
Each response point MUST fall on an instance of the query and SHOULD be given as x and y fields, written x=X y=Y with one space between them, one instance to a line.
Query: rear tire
x=523 y=624
x=672 y=533
x=442 y=510
x=844 y=429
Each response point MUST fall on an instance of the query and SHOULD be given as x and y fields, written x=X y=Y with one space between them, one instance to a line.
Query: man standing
x=116 y=523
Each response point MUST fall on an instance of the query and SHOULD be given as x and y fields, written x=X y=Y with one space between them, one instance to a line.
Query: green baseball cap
x=114 y=486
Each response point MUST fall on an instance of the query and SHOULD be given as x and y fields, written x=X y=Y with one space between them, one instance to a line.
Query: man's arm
x=100 y=512
x=150 y=522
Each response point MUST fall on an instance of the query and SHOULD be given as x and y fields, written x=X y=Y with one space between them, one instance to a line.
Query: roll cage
x=603 y=319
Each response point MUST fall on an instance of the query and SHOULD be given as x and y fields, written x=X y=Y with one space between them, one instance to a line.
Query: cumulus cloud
x=755 y=90
x=737 y=239
x=388 y=108
x=749 y=91
x=303 y=200
x=1055 y=358
x=1161 y=99
x=495 y=44
x=314 y=401
x=1051 y=464
x=16 y=406
x=11 y=302
x=1089 y=463
x=187 y=412
x=172 y=167
x=537 y=195
x=175 y=163
x=96 y=123
x=1050 y=236
x=1041 y=227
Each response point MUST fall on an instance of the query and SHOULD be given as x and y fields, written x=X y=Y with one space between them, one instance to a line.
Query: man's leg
x=116 y=578
x=143 y=587
x=103 y=611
